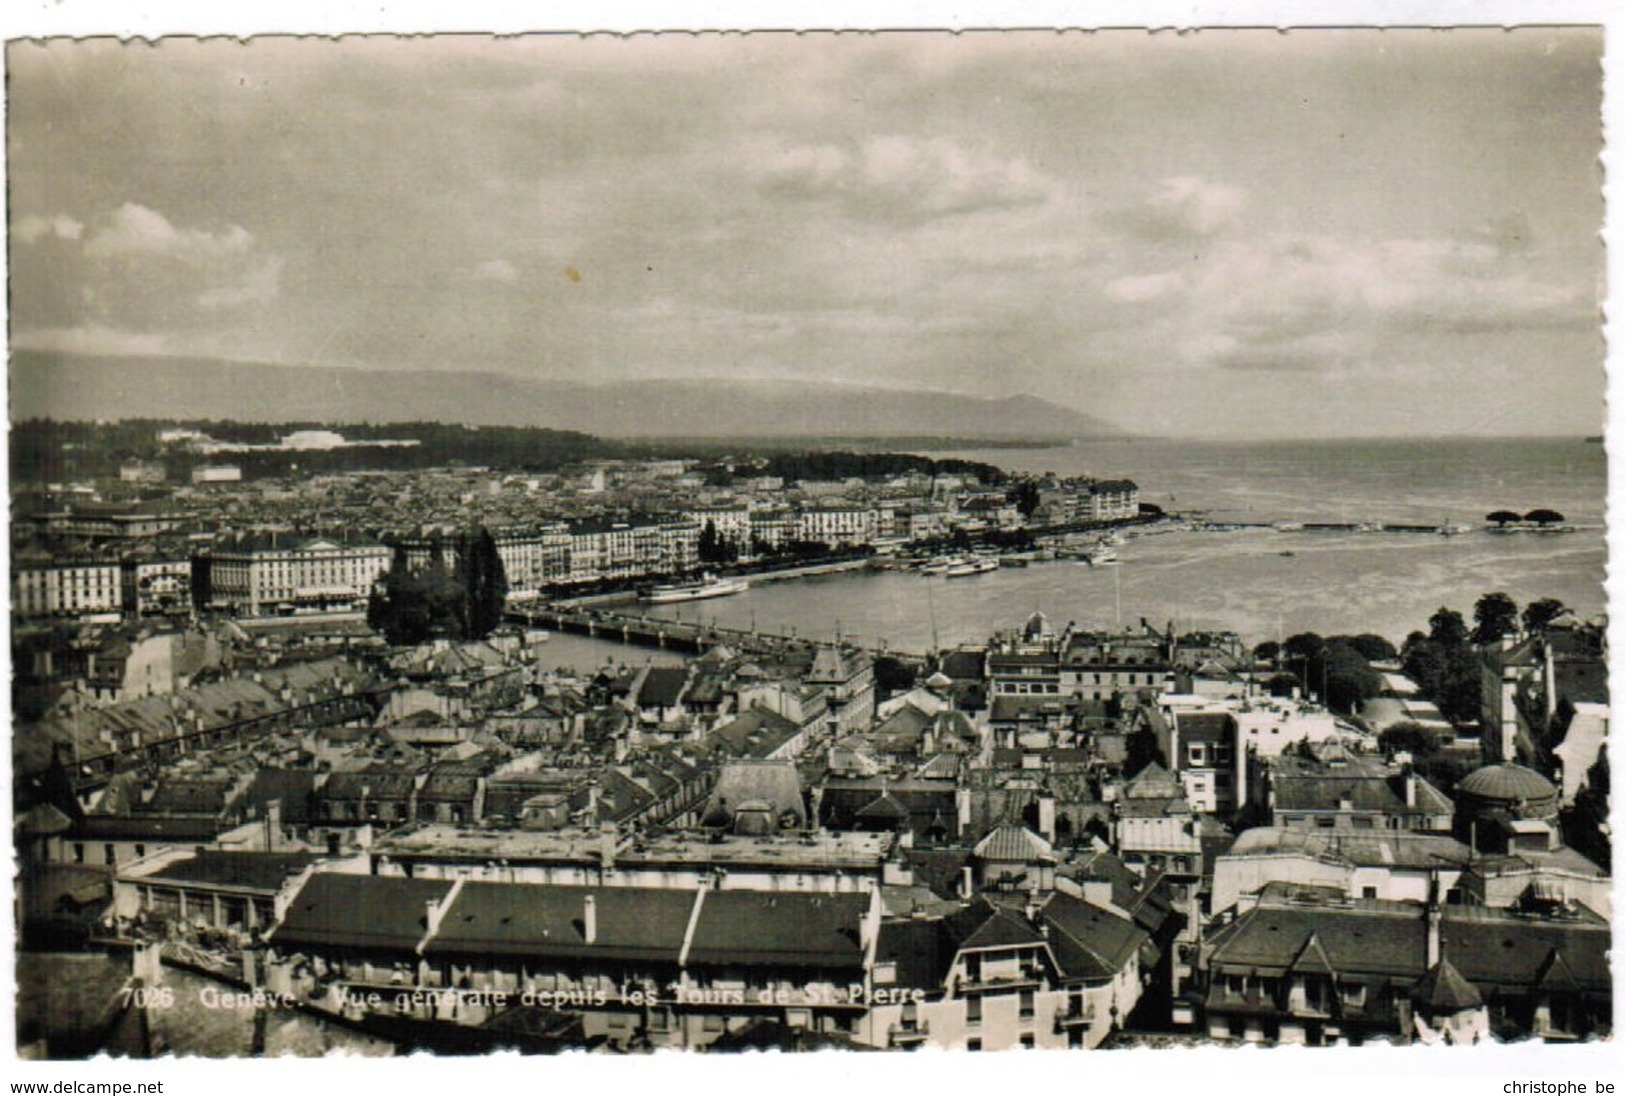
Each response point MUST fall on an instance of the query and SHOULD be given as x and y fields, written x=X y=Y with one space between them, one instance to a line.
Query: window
x=1025 y=1000
x=973 y=968
x=973 y=1044
x=78 y=853
x=1368 y=892
x=1027 y=1041
x=109 y=854
x=973 y=1010
x=1325 y=822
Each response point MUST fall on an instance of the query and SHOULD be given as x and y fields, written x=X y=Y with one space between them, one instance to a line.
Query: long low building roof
x=635 y=923
x=369 y=912
x=815 y=931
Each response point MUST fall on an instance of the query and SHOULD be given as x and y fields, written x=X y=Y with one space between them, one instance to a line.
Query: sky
x=1221 y=233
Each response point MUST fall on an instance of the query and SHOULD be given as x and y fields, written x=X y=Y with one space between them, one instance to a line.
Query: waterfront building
x=731 y=523
x=157 y=584
x=1128 y=665
x=42 y=585
x=839 y=526
x=1114 y=500
x=268 y=574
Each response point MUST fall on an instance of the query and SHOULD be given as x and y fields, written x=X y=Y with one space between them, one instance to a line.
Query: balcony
x=1003 y=981
x=1073 y=1019
x=908 y=1033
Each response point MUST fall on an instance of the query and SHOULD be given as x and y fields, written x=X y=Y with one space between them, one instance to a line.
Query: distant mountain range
x=73 y=387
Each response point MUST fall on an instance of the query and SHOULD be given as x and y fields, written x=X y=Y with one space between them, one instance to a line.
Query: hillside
x=45 y=385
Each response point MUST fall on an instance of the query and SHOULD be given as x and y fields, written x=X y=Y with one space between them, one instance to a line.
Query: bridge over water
x=630 y=626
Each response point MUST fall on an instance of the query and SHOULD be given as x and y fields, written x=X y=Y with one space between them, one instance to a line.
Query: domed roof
x=1506 y=782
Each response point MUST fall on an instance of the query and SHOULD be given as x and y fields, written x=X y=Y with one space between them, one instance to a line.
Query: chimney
x=606 y=846
x=1410 y=786
x=1098 y=892
x=589 y=919
x=1046 y=816
x=967 y=882
x=273 y=823
x=1435 y=915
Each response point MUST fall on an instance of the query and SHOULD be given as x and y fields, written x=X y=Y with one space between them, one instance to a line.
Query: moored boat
x=708 y=586
x=978 y=565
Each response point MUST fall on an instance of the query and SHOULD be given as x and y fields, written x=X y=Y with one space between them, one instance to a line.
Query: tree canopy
x=1447 y=628
x=465 y=601
x=1543 y=517
x=1413 y=738
x=1374 y=647
x=1024 y=495
x=1541 y=612
x=1494 y=616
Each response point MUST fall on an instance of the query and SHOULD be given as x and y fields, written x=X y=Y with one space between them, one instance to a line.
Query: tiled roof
x=1153 y=782
x=632 y=923
x=373 y=912
x=918 y=948
x=983 y=924
x=1087 y=941
x=755 y=733
x=1493 y=947
x=1394 y=850
x=263 y=871
x=1445 y=991
x=774 y=783
x=662 y=687
x=1384 y=793
x=816 y=931
x=188 y=829
x=1271 y=937
x=1012 y=842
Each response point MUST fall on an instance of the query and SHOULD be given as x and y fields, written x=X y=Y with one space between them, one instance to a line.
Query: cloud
x=496 y=270
x=93 y=339
x=1140 y=288
x=896 y=176
x=135 y=230
x=33 y=228
x=1184 y=207
x=259 y=285
x=1296 y=303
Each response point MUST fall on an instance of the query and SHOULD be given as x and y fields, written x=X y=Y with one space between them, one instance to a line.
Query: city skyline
x=1219 y=233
